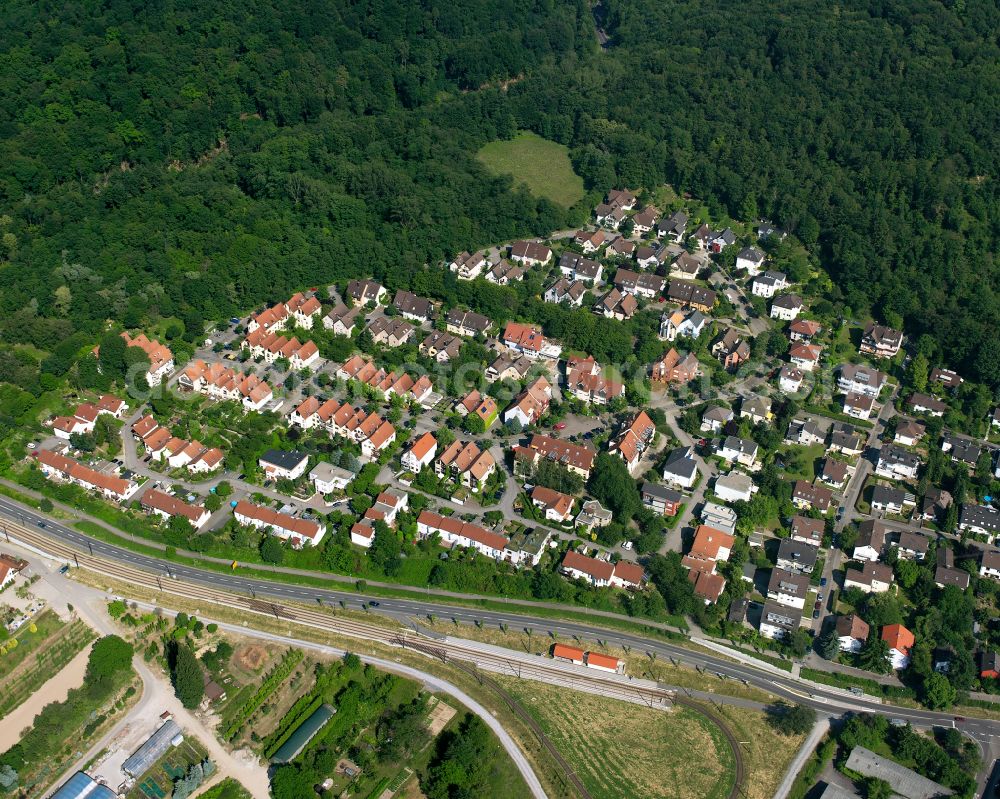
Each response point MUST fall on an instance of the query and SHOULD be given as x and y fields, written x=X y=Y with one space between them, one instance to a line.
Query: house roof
x=567 y=652
x=598 y=569
x=273 y=518
x=708 y=542
x=161 y=501
x=898 y=637
x=854 y=626
x=283 y=459
x=707 y=586
x=423 y=445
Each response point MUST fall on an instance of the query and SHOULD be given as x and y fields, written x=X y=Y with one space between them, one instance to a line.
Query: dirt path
x=54 y=690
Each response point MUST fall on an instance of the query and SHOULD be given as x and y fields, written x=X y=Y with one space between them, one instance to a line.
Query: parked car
x=822 y=582
x=559 y=426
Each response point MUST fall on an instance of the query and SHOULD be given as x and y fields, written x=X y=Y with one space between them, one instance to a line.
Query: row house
x=167 y=506
x=389 y=332
x=577 y=267
x=634 y=440
x=671 y=368
x=640 y=284
x=692 y=295
x=564 y=290
x=441 y=346
x=602 y=573
x=270 y=346
x=531 y=404
x=224 y=383
x=388 y=384
x=504 y=272
x=529 y=341
x=476 y=404
x=369 y=430
x=574 y=457
x=585 y=382
x=161 y=359
x=467 y=323
x=58 y=467
x=300 y=532
x=412 y=307
x=456 y=533
x=465 y=463
x=530 y=253
x=341 y=319
x=366 y=292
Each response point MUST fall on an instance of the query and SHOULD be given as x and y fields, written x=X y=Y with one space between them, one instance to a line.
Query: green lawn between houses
x=543 y=166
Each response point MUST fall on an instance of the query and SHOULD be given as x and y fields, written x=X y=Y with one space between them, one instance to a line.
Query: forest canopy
x=193 y=160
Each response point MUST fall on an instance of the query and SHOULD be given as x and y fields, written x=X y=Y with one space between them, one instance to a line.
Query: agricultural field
x=542 y=166
x=621 y=749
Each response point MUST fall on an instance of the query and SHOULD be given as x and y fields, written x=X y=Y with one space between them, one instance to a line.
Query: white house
x=751 y=259
x=768 y=284
x=786 y=307
x=291 y=528
x=852 y=632
x=328 y=478
x=282 y=465
x=421 y=454
x=734 y=487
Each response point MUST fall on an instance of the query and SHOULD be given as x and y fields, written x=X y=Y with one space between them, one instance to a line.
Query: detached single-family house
x=757 y=409
x=557 y=506
x=778 y=621
x=680 y=468
x=714 y=417
x=852 y=631
x=786 y=307
x=886 y=499
x=566 y=291
x=283 y=465
x=880 y=341
x=900 y=642
x=794 y=556
x=871 y=540
x=860 y=380
x=896 y=463
x=873 y=578
x=734 y=487
x=924 y=403
x=768 y=284
x=739 y=450
x=790 y=379
x=661 y=499
x=980 y=520
x=751 y=259
x=788 y=588
x=731 y=349
x=807 y=530
x=858 y=406
x=909 y=432
x=809 y=495
x=804 y=356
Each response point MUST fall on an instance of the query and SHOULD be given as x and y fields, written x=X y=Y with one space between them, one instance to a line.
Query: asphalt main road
x=825 y=700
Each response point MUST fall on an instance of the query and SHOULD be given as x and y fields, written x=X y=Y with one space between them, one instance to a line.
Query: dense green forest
x=192 y=160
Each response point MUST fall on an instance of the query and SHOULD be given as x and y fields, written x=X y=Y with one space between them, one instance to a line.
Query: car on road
x=373 y=604
x=64 y=568
x=41 y=524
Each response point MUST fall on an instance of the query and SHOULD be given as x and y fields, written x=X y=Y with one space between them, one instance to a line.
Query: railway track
x=469 y=659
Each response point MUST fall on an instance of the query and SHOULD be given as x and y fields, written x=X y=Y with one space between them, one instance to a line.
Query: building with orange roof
x=146 y=425
x=707 y=586
x=481 y=405
x=596 y=572
x=628 y=575
x=300 y=532
x=531 y=404
x=454 y=532
x=111 y=405
x=711 y=543
x=465 y=463
x=161 y=359
x=634 y=440
x=900 y=641
x=529 y=341
x=167 y=506
x=58 y=467
x=570 y=654
x=381 y=438
x=557 y=506
x=595 y=660
x=421 y=454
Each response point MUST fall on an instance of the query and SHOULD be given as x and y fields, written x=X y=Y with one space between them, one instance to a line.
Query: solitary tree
x=187 y=677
